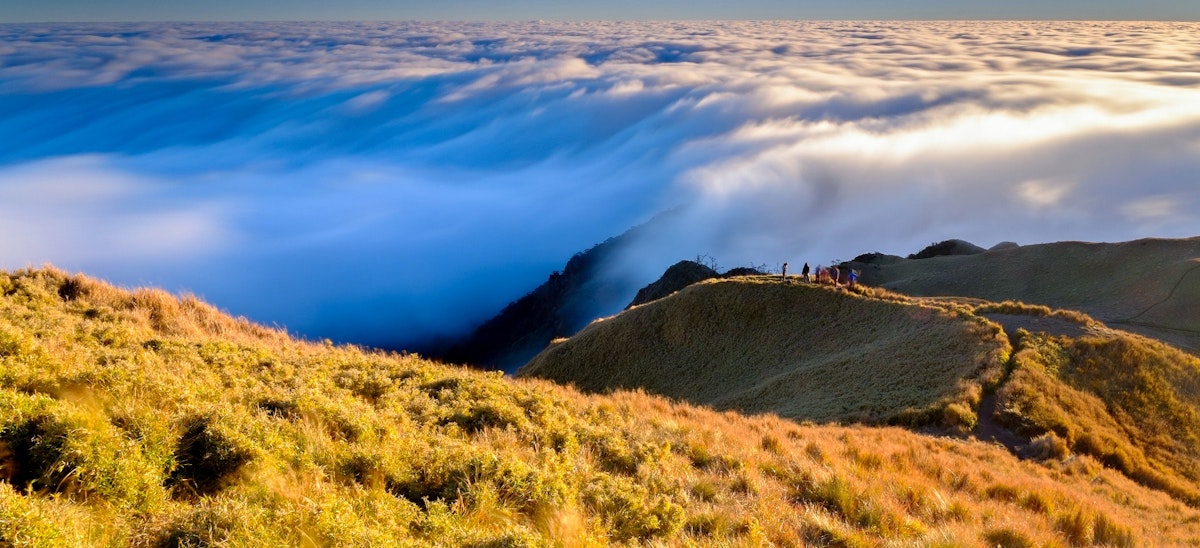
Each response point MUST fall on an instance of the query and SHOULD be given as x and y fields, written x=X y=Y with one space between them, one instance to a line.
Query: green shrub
x=1048 y=446
x=58 y=450
x=837 y=495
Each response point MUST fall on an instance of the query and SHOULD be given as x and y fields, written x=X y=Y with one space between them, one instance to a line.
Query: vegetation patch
x=38 y=458
x=630 y=511
x=208 y=458
x=1131 y=403
x=138 y=419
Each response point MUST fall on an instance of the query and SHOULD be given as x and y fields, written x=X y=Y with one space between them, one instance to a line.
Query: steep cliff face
x=559 y=307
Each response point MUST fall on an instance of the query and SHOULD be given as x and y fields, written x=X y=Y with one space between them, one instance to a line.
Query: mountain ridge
x=565 y=303
x=1147 y=286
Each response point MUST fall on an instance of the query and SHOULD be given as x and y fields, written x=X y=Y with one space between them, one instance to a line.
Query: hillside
x=138 y=418
x=1148 y=286
x=1151 y=286
x=1042 y=382
x=802 y=351
x=1131 y=402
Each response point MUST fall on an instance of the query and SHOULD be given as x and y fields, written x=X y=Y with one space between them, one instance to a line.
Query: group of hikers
x=826 y=275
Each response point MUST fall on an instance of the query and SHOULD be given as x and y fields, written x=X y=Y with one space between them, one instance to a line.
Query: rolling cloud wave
x=382 y=183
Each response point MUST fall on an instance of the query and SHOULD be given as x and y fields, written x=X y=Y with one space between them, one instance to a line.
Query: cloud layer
x=383 y=183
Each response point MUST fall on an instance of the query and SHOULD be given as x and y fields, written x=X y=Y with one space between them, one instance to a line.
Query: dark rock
x=877 y=258
x=742 y=271
x=678 y=276
x=948 y=247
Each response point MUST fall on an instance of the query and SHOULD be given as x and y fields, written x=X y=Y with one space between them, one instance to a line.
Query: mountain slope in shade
x=1150 y=286
x=560 y=306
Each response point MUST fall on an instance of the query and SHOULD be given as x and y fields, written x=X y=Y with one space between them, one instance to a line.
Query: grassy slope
x=816 y=353
x=801 y=351
x=138 y=418
x=1131 y=402
x=1152 y=285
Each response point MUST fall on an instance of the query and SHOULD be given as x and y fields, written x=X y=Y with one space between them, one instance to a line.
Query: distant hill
x=678 y=276
x=137 y=418
x=1148 y=286
x=948 y=248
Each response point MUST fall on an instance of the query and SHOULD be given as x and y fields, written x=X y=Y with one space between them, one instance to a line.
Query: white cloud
x=416 y=176
x=1154 y=208
x=79 y=210
x=1043 y=194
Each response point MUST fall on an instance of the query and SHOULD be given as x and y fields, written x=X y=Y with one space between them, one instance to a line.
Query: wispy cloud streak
x=382 y=183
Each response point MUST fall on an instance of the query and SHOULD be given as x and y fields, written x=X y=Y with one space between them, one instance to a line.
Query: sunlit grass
x=135 y=418
x=1130 y=402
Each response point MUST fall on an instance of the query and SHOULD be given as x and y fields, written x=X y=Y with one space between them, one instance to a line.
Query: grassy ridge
x=136 y=418
x=1131 y=402
x=816 y=353
x=798 y=350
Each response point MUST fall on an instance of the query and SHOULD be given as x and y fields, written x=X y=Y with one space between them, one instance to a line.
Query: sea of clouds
x=383 y=183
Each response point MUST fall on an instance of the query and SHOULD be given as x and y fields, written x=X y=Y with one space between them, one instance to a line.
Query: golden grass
x=145 y=421
x=1131 y=402
x=801 y=351
x=1012 y=307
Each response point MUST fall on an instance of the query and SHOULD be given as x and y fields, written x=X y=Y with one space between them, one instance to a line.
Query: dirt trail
x=988 y=429
x=1169 y=296
x=1040 y=324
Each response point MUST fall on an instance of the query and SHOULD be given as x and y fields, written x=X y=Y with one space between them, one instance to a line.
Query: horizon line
x=586 y=20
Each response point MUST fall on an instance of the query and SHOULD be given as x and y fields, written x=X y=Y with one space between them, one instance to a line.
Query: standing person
x=853 y=277
x=804 y=272
x=784 y=276
x=835 y=274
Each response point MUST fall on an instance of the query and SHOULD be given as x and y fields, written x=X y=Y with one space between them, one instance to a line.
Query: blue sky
x=515 y=10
